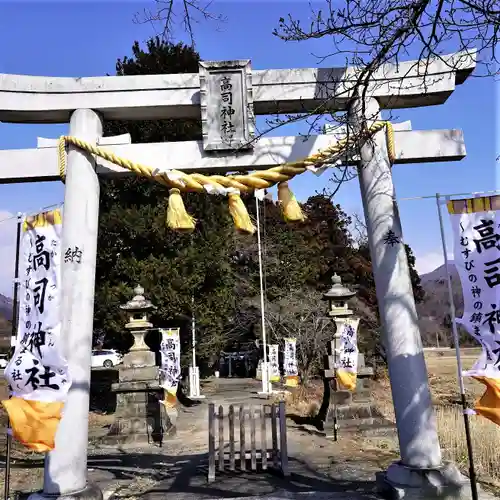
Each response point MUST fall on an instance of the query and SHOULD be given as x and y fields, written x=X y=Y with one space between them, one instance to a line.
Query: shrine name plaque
x=226 y=101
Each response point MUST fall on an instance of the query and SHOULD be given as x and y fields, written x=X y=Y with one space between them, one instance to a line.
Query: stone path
x=179 y=469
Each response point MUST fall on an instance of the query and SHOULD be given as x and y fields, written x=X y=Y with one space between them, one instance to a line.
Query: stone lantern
x=342 y=405
x=138 y=416
x=138 y=325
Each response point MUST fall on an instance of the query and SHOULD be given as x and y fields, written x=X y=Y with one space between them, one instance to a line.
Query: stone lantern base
x=352 y=409
x=140 y=416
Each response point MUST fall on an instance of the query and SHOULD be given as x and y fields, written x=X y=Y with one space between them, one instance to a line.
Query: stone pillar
x=363 y=381
x=65 y=472
x=420 y=473
x=194 y=383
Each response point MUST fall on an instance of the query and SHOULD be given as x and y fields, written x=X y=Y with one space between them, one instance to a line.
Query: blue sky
x=85 y=39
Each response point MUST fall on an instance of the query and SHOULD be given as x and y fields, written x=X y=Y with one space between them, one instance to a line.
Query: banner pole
x=15 y=307
x=456 y=341
x=335 y=386
x=266 y=384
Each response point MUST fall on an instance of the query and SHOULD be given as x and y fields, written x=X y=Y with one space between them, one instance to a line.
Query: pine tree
x=135 y=246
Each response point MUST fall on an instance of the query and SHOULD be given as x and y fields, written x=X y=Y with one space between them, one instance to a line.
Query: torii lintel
x=37 y=99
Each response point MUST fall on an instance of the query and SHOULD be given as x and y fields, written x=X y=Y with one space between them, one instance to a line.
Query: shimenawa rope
x=232 y=185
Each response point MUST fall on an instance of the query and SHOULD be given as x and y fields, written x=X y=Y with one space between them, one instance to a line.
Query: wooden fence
x=259 y=456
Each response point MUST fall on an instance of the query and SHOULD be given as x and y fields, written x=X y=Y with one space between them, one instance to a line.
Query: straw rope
x=196 y=182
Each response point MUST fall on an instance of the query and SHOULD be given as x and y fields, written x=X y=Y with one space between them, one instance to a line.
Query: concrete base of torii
x=90 y=492
x=445 y=482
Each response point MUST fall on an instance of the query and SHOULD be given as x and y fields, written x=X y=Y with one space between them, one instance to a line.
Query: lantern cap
x=338 y=291
x=139 y=302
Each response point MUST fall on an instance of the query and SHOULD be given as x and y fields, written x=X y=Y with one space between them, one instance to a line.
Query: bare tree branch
x=300 y=315
x=367 y=35
x=168 y=14
x=370 y=34
x=359 y=232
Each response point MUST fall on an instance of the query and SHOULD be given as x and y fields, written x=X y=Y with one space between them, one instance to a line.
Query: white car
x=106 y=358
x=3 y=360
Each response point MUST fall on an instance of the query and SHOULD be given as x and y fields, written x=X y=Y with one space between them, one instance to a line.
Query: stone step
x=356 y=410
x=277 y=495
x=369 y=427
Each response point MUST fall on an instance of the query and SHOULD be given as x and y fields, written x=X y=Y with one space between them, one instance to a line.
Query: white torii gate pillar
x=420 y=473
x=65 y=473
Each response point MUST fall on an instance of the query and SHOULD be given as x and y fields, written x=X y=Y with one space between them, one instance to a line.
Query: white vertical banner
x=290 y=362
x=38 y=374
x=475 y=223
x=274 y=367
x=347 y=354
x=170 y=370
x=477 y=260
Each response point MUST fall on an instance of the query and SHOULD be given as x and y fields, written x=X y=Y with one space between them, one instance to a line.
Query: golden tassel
x=289 y=204
x=239 y=214
x=177 y=217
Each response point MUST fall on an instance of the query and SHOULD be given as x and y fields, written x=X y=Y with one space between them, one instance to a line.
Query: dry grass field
x=442 y=371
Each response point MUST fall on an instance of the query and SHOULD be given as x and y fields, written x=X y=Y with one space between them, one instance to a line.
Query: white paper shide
x=170 y=349
x=38 y=370
x=477 y=260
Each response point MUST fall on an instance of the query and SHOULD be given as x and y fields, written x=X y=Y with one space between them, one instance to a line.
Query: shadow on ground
x=102 y=398
x=311 y=425
x=185 y=477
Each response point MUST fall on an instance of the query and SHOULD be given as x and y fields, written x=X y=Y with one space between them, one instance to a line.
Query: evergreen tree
x=135 y=246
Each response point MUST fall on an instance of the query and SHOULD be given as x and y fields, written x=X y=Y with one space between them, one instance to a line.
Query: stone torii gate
x=86 y=102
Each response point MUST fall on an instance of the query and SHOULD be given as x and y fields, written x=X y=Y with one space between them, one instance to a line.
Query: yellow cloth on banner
x=44 y=219
x=488 y=405
x=170 y=399
x=346 y=380
x=292 y=381
x=34 y=423
x=474 y=205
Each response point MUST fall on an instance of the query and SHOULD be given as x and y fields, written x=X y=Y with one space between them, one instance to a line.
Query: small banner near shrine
x=475 y=224
x=170 y=371
x=274 y=367
x=38 y=374
x=290 y=363
x=347 y=354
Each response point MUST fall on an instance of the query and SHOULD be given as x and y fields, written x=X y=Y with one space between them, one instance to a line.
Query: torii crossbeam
x=41 y=164
x=227 y=145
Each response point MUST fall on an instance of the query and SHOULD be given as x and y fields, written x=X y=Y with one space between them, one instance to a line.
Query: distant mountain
x=434 y=311
x=440 y=273
x=5 y=325
x=435 y=285
x=6 y=307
